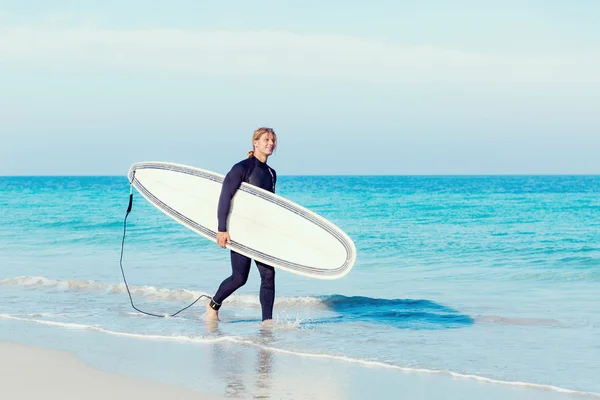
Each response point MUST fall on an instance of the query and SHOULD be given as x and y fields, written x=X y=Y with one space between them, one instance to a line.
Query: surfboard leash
x=121 y=262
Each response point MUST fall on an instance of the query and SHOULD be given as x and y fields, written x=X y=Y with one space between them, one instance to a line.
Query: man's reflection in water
x=264 y=364
x=228 y=365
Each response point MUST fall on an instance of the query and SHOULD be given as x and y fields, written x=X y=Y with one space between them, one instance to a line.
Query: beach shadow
x=398 y=313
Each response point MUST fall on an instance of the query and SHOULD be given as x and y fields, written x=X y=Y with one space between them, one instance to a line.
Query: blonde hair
x=258 y=133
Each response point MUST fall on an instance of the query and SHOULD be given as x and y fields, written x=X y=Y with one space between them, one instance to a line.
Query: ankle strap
x=214 y=305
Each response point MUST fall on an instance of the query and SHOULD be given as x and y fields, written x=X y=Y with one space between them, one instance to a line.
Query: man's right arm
x=231 y=183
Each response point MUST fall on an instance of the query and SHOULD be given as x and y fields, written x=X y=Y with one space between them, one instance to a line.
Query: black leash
x=121 y=263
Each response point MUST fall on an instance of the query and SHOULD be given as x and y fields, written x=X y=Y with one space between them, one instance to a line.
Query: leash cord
x=123 y=272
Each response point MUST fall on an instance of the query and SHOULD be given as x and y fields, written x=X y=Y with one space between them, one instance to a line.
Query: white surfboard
x=262 y=225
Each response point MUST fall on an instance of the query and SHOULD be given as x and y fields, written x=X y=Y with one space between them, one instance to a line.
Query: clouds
x=91 y=48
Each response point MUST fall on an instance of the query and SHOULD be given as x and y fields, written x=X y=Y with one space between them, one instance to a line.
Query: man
x=253 y=170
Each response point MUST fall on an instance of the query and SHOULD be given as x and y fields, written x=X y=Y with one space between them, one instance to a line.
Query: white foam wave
x=342 y=358
x=40 y=315
x=150 y=292
x=96 y=328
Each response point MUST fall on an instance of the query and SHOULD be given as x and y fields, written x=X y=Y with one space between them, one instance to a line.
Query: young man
x=253 y=170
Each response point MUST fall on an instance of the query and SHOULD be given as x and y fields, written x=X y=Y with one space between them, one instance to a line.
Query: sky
x=403 y=88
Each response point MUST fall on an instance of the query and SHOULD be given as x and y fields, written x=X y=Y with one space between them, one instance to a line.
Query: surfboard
x=262 y=225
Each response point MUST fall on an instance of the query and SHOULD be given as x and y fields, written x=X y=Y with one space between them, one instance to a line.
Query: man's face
x=265 y=144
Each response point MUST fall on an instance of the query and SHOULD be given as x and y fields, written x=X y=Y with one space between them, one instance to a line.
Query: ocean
x=493 y=280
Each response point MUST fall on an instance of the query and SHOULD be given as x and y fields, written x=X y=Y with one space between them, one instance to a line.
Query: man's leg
x=267 y=289
x=240 y=268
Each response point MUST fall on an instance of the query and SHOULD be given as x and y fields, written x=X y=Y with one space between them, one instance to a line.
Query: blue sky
x=438 y=87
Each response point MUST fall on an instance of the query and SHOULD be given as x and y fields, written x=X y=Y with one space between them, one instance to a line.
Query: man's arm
x=231 y=183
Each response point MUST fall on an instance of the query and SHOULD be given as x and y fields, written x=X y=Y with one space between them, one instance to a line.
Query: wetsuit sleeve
x=231 y=183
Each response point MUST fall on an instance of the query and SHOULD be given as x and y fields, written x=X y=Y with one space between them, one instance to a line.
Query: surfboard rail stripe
x=316 y=219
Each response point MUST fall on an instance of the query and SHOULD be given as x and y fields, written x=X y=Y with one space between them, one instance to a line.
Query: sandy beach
x=33 y=373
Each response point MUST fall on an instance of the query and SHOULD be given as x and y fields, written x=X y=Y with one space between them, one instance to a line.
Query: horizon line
x=524 y=174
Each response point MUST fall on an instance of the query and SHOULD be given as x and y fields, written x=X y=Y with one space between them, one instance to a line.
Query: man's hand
x=223 y=238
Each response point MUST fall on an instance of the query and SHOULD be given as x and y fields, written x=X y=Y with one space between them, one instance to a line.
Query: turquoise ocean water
x=494 y=279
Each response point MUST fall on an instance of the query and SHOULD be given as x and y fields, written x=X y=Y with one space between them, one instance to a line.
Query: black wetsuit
x=255 y=172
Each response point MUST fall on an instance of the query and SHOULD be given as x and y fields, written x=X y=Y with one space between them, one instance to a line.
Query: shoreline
x=225 y=362
x=34 y=370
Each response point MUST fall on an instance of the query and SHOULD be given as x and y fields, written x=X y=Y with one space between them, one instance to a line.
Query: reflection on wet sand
x=252 y=370
x=264 y=366
x=229 y=366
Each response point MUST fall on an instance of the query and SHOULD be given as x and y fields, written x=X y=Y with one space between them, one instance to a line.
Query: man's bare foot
x=268 y=323
x=211 y=315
